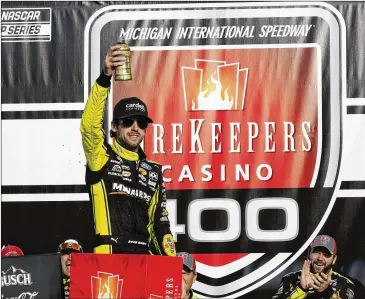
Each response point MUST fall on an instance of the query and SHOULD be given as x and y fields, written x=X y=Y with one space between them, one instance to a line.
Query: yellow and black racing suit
x=126 y=191
x=339 y=288
x=66 y=287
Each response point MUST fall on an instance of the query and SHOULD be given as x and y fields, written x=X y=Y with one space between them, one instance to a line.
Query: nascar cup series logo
x=106 y=285
x=26 y=24
x=214 y=85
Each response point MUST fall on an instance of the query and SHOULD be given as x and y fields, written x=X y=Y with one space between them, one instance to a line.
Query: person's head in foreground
x=189 y=274
x=11 y=250
x=322 y=254
x=65 y=249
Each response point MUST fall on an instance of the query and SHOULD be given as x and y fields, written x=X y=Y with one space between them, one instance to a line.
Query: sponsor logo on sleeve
x=169 y=245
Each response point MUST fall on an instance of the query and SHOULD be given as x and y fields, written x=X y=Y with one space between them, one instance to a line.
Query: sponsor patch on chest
x=118 y=188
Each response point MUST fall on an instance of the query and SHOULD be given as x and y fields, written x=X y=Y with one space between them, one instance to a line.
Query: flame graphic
x=105 y=291
x=106 y=285
x=211 y=99
x=214 y=85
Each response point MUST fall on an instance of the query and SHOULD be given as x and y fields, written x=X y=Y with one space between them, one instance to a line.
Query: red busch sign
x=247 y=126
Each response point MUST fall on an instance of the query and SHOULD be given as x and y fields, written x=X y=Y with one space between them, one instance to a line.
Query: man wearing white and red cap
x=317 y=278
x=11 y=250
x=65 y=249
x=189 y=275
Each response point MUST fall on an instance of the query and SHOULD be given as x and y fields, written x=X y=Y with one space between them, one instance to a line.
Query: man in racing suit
x=317 y=279
x=66 y=249
x=189 y=275
x=126 y=190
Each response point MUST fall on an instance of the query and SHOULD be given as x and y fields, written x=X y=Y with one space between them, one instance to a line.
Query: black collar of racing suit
x=126 y=154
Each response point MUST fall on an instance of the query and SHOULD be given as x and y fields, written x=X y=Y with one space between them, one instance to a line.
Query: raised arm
x=93 y=135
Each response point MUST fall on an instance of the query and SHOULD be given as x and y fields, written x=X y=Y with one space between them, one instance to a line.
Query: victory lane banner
x=95 y=276
x=247 y=125
x=257 y=110
x=33 y=276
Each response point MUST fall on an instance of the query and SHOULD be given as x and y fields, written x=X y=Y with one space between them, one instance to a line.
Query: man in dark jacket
x=65 y=249
x=317 y=279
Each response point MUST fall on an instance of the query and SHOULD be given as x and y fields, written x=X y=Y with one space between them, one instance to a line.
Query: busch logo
x=214 y=85
x=14 y=276
x=106 y=285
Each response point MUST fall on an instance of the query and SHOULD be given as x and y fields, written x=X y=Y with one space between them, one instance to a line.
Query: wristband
x=104 y=80
x=303 y=289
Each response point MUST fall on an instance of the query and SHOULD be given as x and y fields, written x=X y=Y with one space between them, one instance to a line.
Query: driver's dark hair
x=111 y=132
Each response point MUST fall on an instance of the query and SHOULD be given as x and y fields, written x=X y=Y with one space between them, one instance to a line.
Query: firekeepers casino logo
x=238 y=130
x=242 y=126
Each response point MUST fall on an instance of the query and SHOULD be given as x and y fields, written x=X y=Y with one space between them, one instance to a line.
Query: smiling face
x=66 y=263
x=321 y=260
x=130 y=132
x=188 y=279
